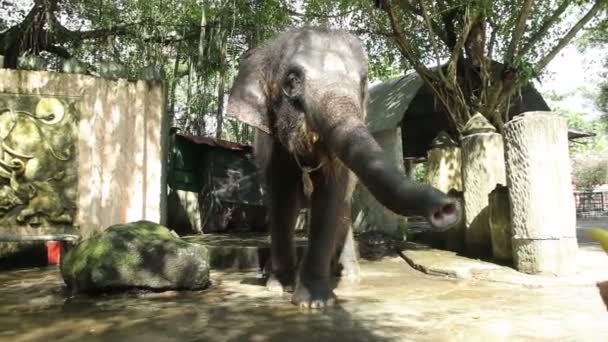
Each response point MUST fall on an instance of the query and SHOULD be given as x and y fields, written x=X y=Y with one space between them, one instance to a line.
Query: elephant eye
x=292 y=84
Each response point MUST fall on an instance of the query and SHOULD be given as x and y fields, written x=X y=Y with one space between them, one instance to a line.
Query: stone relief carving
x=38 y=164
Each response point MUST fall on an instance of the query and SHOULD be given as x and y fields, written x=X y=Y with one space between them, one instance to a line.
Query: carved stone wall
x=540 y=188
x=38 y=160
x=79 y=153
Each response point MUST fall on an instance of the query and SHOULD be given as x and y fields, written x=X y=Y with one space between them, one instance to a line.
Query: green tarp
x=214 y=167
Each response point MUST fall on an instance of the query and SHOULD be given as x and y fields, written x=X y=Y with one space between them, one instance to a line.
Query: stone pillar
x=444 y=164
x=540 y=188
x=483 y=167
x=445 y=173
x=410 y=168
x=500 y=223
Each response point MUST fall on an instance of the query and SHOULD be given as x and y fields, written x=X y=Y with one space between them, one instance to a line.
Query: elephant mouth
x=12 y=162
x=302 y=141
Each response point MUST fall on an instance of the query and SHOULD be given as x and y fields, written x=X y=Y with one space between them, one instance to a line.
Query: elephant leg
x=345 y=263
x=283 y=179
x=345 y=258
x=328 y=208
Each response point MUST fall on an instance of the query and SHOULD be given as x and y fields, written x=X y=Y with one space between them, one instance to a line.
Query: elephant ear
x=248 y=97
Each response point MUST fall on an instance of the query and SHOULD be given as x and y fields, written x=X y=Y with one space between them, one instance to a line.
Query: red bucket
x=53 y=252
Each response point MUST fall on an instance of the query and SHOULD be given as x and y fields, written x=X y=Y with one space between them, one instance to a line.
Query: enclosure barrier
x=78 y=154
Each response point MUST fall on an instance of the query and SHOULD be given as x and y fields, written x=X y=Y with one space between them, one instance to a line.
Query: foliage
x=594 y=37
x=421 y=172
x=197 y=44
x=589 y=169
x=602 y=99
x=467 y=37
x=597 y=126
x=588 y=156
x=597 y=35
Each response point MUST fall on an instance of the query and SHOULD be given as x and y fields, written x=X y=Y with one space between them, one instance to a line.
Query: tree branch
x=202 y=37
x=406 y=5
x=404 y=47
x=475 y=43
x=415 y=12
x=447 y=17
x=510 y=85
x=321 y=16
x=370 y=32
x=518 y=31
x=492 y=41
x=429 y=77
x=95 y=34
x=545 y=27
x=568 y=37
x=429 y=25
x=457 y=49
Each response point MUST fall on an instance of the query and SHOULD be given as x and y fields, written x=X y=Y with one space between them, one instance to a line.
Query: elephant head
x=308 y=88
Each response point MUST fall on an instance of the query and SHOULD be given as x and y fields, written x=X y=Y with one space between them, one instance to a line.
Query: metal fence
x=591 y=203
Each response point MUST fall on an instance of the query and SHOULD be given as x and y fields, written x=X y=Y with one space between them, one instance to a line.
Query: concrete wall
x=368 y=213
x=121 y=145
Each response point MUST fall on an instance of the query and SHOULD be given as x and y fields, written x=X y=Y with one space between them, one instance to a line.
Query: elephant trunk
x=341 y=126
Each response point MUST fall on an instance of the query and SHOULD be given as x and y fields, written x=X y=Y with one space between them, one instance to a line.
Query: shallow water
x=393 y=302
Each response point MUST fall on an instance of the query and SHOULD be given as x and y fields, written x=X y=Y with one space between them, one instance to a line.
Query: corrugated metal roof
x=576 y=134
x=228 y=145
x=389 y=100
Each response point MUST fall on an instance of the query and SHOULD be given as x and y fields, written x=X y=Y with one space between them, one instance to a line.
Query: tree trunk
x=188 y=121
x=202 y=38
x=173 y=86
x=220 y=108
x=221 y=87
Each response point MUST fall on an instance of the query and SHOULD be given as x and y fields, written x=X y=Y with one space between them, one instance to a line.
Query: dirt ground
x=393 y=302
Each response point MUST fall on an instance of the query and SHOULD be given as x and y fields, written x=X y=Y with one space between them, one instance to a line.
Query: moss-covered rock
x=135 y=255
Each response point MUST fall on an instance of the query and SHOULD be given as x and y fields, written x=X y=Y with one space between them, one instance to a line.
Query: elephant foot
x=313 y=295
x=280 y=284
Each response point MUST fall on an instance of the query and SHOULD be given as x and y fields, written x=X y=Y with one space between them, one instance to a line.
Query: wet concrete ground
x=394 y=302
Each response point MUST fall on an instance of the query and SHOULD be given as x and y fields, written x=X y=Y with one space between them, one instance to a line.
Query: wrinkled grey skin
x=307 y=92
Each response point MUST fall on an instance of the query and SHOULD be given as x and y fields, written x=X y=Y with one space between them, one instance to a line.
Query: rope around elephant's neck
x=307 y=185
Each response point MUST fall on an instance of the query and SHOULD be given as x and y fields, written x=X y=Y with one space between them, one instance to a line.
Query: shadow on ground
x=393 y=303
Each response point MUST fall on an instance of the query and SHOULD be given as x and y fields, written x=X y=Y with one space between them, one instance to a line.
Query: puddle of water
x=392 y=303
x=36 y=307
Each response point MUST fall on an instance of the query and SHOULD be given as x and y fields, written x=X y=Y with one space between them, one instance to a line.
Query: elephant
x=305 y=91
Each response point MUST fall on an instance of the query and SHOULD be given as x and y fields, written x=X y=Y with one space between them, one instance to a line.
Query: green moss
x=127 y=253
